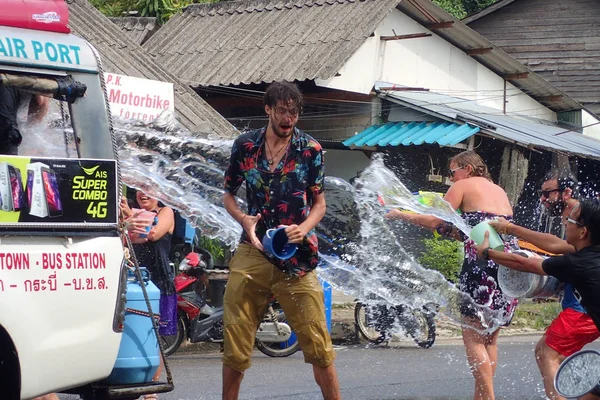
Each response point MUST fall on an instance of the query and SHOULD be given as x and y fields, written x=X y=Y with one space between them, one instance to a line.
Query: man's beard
x=280 y=134
x=556 y=208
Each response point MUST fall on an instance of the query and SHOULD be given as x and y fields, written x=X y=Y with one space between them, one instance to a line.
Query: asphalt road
x=402 y=371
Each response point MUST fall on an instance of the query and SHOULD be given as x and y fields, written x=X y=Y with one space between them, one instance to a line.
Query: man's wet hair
x=589 y=216
x=565 y=178
x=285 y=92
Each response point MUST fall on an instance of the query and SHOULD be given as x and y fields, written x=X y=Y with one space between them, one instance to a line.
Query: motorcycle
x=200 y=322
x=377 y=323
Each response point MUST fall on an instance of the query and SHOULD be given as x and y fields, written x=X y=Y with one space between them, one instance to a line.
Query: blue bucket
x=276 y=243
x=139 y=355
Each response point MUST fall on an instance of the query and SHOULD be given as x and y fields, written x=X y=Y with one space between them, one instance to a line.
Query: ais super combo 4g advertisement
x=57 y=191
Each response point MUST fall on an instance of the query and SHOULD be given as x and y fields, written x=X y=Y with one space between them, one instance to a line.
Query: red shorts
x=570 y=331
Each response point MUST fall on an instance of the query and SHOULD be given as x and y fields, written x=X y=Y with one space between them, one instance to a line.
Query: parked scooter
x=200 y=322
x=379 y=322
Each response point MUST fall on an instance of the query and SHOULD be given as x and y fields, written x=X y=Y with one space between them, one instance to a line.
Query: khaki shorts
x=252 y=279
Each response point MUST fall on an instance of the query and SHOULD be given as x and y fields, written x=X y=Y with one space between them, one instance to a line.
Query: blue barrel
x=139 y=355
x=327 y=294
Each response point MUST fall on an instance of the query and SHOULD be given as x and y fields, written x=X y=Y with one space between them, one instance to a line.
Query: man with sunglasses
x=573 y=328
x=283 y=170
x=558 y=193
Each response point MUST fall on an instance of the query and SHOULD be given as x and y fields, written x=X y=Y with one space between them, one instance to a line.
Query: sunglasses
x=571 y=220
x=287 y=111
x=452 y=171
x=547 y=193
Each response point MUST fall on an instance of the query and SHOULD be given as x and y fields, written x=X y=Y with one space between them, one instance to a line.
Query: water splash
x=361 y=254
x=380 y=180
x=183 y=171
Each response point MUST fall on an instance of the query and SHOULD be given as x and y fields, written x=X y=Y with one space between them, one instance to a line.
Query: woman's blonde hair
x=478 y=167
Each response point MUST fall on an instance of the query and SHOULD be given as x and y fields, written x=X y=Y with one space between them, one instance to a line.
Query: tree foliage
x=165 y=9
x=461 y=8
x=454 y=7
x=161 y=9
x=443 y=255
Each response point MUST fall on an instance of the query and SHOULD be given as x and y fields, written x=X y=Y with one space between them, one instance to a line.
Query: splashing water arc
x=373 y=265
x=361 y=253
x=184 y=172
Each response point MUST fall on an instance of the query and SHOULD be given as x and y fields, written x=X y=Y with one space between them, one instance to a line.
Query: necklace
x=270 y=160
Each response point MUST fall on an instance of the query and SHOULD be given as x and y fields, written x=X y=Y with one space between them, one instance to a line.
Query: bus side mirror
x=579 y=374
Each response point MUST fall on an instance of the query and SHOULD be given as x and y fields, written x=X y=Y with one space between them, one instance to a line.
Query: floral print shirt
x=282 y=197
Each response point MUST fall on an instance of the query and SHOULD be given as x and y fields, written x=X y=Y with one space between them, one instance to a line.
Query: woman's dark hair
x=285 y=92
x=589 y=216
x=471 y=158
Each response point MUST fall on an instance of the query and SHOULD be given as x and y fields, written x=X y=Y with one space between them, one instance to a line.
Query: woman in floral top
x=474 y=193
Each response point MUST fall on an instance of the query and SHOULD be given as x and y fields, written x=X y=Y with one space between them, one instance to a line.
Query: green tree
x=461 y=8
x=161 y=9
x=443 y=255
x=165 y=9
x=473 y=6
x=115 y=8
x=454 y=7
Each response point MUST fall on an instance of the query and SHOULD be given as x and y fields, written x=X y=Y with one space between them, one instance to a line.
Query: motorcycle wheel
x=171 y=343
x=367 y=330
x=425 y=333
x=280 y=349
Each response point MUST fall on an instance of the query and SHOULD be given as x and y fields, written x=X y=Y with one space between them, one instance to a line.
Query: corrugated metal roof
x=122 y=56
x=255 y=41
x=243 y=42
x=527 y=132
x=137 y=29
x=425 y=12
x=412 y=133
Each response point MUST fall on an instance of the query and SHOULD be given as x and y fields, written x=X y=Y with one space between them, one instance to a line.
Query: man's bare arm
x=232 y=207
x=248 y=222
x=517 y=262
x=544 y=241
x=38 y=108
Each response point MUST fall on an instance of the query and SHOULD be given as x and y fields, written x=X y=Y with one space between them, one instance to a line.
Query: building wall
x=336 y=120
x=431 y=63
x=558 y=39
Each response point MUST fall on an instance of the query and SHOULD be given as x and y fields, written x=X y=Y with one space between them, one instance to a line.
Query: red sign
x=40 y=15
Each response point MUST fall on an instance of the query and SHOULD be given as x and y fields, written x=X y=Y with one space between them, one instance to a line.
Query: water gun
x=528 y=246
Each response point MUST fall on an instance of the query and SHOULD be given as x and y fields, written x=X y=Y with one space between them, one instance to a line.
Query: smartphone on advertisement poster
x=16 y=185
x=29 y=189
x=50 y=183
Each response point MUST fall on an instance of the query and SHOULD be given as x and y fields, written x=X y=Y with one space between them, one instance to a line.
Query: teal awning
x=412 y=133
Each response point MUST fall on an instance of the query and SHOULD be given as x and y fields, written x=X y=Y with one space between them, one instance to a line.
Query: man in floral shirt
x=283 y=171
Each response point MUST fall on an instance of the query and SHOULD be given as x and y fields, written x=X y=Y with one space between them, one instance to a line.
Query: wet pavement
x=402 y=371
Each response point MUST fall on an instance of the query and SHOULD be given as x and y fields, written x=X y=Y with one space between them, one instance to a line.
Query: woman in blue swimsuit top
x=480 y=199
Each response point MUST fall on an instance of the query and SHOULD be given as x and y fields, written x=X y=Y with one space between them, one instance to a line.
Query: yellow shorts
x=252 y=280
